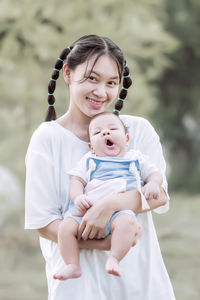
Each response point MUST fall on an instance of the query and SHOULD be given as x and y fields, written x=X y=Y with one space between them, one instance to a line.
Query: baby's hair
x=109 y=113
x=82 y=51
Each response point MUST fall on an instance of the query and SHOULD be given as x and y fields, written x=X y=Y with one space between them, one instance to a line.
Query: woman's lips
x=94 y=101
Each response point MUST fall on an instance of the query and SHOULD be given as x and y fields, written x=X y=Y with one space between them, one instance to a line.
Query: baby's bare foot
x=112 y=266
x=71 y=271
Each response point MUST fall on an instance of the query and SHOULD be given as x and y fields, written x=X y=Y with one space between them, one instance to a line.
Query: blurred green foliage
x=178 y=107
x=154 y=37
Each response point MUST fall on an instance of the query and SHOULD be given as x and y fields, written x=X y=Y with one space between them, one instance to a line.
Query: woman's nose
x=100 y=91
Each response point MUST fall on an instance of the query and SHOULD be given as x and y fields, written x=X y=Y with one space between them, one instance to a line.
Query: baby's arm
x=76 y=192
x=153 y=185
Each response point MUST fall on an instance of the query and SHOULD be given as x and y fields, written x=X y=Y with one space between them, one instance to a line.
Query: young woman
x=93 y=68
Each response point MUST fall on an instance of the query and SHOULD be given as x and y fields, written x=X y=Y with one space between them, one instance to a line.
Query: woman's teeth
x=93 y=101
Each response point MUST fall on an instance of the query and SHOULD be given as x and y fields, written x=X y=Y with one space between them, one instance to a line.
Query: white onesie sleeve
x=80 y=170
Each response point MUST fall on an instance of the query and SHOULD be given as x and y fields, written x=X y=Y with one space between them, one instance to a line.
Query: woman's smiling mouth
x=97 y=102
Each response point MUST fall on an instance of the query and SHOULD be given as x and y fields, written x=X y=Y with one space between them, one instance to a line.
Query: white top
x=52 y=152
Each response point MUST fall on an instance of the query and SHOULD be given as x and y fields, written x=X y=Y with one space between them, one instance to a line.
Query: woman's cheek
x=115 y=92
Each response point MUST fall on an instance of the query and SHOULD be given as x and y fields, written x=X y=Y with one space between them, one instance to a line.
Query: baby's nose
x=105 y=132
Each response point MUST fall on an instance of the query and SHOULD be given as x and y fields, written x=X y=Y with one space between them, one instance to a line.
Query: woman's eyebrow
x=97 y=74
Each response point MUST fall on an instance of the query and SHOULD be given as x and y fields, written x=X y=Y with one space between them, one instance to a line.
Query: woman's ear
x=66 y=73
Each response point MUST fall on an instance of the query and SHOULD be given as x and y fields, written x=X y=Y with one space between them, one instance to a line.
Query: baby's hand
x=151 y=190
x=82 y=203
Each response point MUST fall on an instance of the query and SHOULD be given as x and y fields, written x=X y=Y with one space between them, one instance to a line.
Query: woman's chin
x=94 y=112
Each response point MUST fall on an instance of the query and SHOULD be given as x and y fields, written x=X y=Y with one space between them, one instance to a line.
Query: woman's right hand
x=97 y=217
x=101 y=244
x=95 y=220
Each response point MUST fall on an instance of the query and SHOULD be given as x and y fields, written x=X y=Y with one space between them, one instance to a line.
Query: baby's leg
x=68 y=245
x=124 y=230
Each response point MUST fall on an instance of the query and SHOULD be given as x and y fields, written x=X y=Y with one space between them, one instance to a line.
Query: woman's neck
x=77 y=125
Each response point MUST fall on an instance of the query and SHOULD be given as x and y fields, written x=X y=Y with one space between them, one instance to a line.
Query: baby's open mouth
x=109 y=143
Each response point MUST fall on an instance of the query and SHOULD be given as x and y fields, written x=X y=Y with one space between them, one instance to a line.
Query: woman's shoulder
x=136 y=122
x=44 y=131
x=47 y=133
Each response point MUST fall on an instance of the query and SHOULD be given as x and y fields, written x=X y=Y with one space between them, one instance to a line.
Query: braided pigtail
x=51 y=113
x=125 y=85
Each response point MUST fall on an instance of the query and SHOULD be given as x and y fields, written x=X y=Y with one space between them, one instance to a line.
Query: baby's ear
x=90 y=147
x=127 y=139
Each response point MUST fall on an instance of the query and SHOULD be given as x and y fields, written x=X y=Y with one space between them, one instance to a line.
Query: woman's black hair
x=81 y=51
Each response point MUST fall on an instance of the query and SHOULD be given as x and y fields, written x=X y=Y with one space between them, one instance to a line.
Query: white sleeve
x=41 y=197
x=148 y=142
x=146 y=167
x=80 y=170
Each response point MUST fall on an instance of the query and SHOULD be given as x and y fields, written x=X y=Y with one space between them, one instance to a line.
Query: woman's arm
x=50 y=232
x=96 y=218
x=102 y=244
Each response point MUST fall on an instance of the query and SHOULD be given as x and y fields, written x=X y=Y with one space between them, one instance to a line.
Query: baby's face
x=107 y=136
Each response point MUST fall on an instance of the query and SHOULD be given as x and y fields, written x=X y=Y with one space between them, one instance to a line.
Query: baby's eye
x=97 y=132
x=113 y=128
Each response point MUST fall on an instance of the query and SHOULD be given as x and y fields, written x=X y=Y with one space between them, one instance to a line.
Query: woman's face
x=90 y=96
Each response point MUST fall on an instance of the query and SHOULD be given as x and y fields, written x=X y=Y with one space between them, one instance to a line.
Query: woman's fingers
x=100 y=234
x=94 y=221
x=85 y=232
x=93 y=233
x=89 y=231
x=81 y=229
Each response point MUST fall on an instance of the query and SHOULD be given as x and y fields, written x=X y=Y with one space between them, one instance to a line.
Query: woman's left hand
x=95 y=220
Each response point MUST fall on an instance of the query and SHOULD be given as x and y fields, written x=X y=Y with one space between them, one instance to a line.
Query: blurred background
x=161 y=43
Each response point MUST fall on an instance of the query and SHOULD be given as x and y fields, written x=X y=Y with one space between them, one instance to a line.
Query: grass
x=22 y=273
x=179 y=236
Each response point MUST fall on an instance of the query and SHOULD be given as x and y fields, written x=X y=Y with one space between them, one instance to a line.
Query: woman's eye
x=92 y=78
x=112 y=83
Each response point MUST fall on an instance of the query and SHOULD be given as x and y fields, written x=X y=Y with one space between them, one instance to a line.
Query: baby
x=107 y=169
